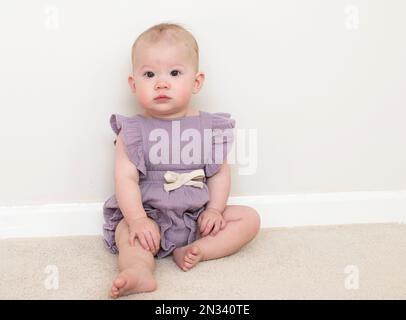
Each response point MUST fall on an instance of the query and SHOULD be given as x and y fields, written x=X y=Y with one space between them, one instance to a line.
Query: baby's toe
x=192 y=256
x=187 y=266
x=119 y=283
x=194 y=251
x=114 y=292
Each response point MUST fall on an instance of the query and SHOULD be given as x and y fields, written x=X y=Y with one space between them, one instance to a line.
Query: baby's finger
x=204 y=224
x=216 y=228
x=199 y=220
x=148 y=238
x=208 y=228
x=131 y=237
x=155 y=239
x=143 y=242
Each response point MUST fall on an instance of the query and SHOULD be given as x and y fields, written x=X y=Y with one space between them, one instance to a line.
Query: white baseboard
x=289 y=210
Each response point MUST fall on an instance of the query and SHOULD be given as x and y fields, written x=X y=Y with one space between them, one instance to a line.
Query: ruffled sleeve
x=132 y=138
x=222 y=140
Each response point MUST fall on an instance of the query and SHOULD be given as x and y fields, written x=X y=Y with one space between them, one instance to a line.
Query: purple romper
x=175 y=211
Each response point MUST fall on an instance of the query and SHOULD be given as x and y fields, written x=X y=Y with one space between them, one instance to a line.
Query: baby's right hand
x=147 y=232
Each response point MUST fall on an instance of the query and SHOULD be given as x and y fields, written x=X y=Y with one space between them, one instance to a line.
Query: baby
x=167 y=202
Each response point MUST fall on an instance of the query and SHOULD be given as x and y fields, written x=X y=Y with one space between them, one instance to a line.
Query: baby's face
x=164 y=77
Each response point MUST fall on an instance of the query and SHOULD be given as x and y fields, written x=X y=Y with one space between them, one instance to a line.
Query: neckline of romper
x=172 y=119
x=205 y=122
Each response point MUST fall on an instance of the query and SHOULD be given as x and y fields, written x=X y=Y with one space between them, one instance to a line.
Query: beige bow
x=176 y=179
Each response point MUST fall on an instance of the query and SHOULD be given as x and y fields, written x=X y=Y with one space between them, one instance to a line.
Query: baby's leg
x=242 y=226
x=136 y=266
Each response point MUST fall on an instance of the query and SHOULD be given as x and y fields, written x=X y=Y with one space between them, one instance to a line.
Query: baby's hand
x=210 y=221
x=147 y=232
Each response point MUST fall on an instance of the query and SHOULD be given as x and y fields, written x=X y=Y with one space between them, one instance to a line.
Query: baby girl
x=167 y=202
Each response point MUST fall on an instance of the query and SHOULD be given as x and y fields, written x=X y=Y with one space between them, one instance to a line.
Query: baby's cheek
x=183 y=95
x=143 y=98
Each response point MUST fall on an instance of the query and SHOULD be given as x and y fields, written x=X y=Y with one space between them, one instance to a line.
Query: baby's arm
x=127 y=189
x=219 y=188
x=211 y=219
x=129 y=200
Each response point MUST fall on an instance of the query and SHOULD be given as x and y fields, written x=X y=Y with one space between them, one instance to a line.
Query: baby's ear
x=199 y=80
x=131 y=83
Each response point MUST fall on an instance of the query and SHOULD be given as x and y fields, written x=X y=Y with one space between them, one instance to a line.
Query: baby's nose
x=161 y=84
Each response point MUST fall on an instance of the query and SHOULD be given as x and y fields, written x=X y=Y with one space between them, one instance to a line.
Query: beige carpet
x=281 y=263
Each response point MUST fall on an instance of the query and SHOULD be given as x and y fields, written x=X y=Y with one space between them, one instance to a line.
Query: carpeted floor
x=321 y=262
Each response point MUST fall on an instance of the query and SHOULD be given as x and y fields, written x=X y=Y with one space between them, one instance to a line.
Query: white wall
x=328 y=101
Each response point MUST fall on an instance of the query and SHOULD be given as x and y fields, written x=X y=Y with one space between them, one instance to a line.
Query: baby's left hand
x=210 y=222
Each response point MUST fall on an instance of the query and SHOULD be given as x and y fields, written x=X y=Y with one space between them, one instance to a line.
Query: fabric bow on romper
x=173 y=194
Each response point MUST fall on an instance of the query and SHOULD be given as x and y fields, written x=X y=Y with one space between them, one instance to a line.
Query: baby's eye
x=149 y=74
x=175 y=73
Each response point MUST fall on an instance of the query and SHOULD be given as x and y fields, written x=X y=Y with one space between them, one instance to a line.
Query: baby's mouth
x=162 y=98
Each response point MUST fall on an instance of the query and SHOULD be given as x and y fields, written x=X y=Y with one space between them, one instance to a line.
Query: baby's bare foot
x=133 y=281
x=187 y=257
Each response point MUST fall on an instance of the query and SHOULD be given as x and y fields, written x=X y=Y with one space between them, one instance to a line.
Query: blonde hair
x=169 y=31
